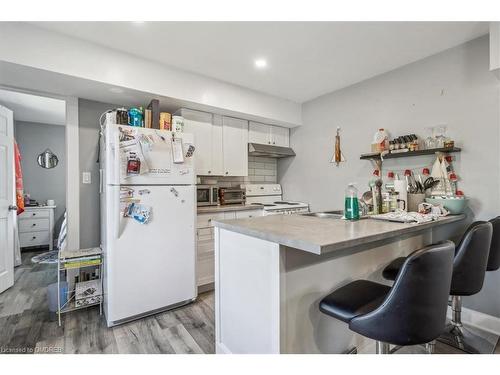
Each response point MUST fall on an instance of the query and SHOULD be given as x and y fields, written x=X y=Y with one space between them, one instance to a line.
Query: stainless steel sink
x=326 y=214
x=336 y=214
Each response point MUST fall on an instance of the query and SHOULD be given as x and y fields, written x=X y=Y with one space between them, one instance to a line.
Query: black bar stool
x=469 y=268
x=412 y=312
x=494 y=257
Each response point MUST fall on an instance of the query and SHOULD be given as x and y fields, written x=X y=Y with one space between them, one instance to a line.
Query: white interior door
x=7 y=207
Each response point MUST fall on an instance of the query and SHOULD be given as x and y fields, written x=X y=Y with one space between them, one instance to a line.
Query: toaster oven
x=232 y=196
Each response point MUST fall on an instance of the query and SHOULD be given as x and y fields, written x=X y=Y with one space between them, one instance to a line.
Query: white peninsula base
x=267 y=294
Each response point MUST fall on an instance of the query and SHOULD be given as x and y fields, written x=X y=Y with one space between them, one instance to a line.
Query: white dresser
x=36 y=226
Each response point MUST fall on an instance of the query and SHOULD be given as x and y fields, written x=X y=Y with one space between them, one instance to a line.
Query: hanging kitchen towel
x=439 y=172
x=19 y=202
x=19 y=180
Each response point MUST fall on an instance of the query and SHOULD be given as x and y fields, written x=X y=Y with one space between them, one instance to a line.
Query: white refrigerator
x=148 y=221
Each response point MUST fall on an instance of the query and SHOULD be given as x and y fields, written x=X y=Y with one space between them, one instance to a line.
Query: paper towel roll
x=400 y=186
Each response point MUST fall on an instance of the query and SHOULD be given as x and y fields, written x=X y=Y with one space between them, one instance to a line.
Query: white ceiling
x=305 y=59
x=33 y=108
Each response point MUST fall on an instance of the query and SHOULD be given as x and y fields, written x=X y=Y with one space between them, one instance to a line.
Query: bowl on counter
x=454 y=205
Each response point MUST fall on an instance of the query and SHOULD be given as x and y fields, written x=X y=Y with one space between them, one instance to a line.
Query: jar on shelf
x=429 y=142
x=440 y=135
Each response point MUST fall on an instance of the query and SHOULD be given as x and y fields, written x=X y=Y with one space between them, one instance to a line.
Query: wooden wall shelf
x=376 y=156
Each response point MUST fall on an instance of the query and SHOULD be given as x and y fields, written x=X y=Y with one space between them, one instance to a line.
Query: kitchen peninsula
x=272 y=271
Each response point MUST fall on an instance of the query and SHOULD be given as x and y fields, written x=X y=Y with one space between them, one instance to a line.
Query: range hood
x=257 y=149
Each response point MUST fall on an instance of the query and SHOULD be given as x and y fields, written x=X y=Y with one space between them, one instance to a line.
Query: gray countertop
x=320 y=235
x=226 y=208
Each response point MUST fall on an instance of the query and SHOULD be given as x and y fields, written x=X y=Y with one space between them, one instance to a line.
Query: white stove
x=269 y=196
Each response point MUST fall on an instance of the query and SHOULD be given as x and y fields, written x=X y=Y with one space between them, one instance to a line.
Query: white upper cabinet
x=235 y=146
x=217 y=168
x=259 y=133
x=268 y=134
x=207 y=131
x=280 y=136
x=200 y=125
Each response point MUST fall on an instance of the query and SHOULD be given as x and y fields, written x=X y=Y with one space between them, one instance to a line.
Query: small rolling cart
x=79 y=280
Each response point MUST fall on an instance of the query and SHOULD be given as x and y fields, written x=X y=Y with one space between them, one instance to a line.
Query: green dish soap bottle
x=351 y=211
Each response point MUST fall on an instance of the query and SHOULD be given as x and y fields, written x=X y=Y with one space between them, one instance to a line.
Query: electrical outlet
x=86 y=178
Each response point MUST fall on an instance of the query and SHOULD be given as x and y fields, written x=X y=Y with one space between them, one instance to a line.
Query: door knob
x=12 y=208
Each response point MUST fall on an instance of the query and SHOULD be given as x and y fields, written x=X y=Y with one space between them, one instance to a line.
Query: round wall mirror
x=47 y=159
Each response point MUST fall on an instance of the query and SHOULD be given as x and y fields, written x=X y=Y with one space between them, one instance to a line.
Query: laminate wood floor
x=27 y=326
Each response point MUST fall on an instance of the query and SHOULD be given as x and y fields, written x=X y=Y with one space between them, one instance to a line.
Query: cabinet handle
x=268 y=142
x=34 y=214
x=33 y=225
x=34 y=238
x=274 y=143
x=209 y=172
x=227 y=172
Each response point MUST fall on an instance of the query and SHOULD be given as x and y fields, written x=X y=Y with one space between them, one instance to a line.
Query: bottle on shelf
x=453 y=184
x=376 y=189
x=380 y=141
x=389 y=182
x=351 y=211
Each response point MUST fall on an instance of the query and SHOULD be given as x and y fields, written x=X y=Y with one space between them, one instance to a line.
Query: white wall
x=35 y=47
x=454 y=87
x=42 y=184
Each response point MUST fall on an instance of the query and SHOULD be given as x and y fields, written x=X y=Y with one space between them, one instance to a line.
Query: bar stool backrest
x=414 y=311
x=494 y=257
x=471 y=259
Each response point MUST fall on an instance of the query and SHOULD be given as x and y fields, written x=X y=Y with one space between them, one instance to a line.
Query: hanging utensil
x=338 y=157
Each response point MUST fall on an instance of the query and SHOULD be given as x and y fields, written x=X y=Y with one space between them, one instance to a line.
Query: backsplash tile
x=260 y=170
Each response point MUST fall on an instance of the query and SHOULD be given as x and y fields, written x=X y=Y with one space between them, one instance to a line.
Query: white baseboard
x=479 y=320
x=220 y=348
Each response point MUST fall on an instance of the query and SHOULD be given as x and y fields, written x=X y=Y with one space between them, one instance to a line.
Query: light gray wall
x=88 y=117
x=454 y=87
x=42 y=184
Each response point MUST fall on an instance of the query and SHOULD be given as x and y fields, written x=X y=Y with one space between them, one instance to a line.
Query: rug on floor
x=49 y=257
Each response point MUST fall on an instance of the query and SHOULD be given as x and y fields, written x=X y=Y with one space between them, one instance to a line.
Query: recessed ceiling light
x=260 y=63
x=116 y=90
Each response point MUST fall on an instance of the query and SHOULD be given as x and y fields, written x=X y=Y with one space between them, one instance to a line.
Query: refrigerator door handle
x=117 y=220
x=101 y=181
x=116 y=155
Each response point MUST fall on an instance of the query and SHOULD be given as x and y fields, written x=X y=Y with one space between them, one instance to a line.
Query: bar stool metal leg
x=430 y=347
x=382 y=347
x=471 y=341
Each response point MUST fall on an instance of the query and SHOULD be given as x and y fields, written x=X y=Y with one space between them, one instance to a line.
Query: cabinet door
x=235 y=146
x=280 y=136
x=217 y=168
x=259 y=133
x=200 y=125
